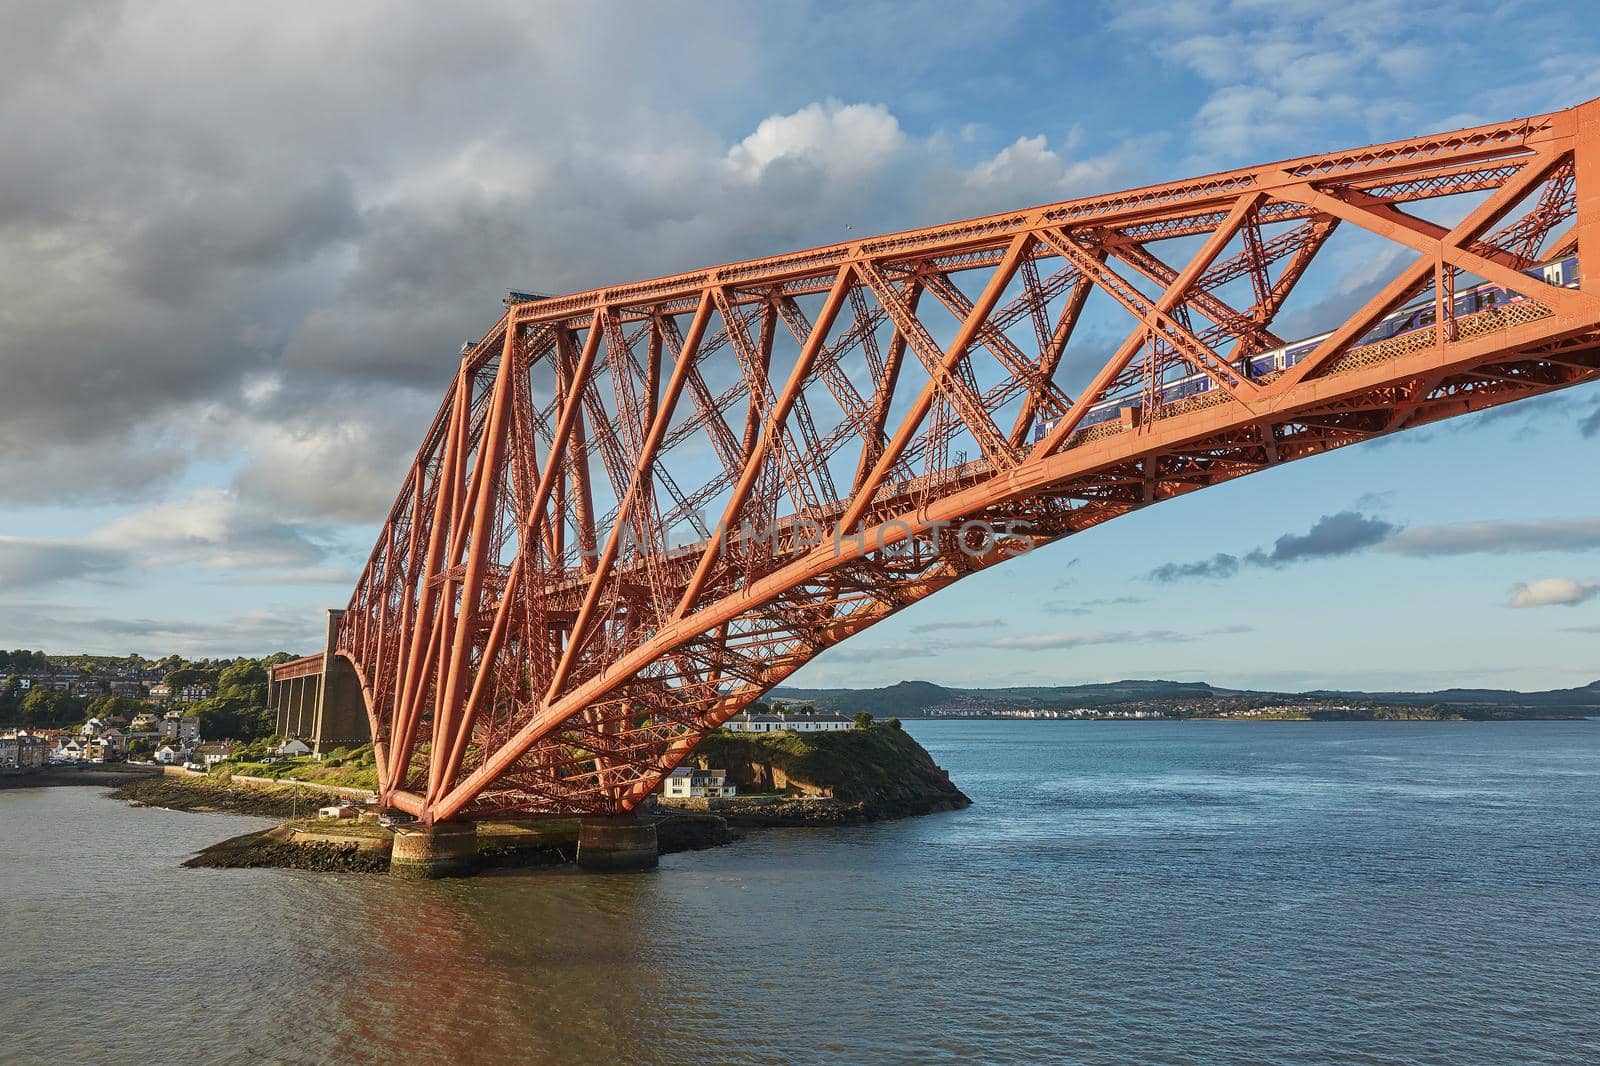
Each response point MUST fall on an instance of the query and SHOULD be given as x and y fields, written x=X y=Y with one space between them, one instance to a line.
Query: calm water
x=1151 y=892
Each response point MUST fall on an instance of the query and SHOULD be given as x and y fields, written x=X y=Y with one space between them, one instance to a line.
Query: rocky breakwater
x=834 y=778
x=214 y=793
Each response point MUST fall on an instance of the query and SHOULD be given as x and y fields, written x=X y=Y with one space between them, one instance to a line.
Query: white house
x=689 y=783
x=796 y=723
x=293 y=746
x=208 y=755
x=168 y=755
x=67 y=750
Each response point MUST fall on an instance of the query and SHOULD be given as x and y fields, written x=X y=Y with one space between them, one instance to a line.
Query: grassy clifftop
x=882 y=768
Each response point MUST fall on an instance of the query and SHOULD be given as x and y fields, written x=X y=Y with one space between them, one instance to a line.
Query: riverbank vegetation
x=342 y=767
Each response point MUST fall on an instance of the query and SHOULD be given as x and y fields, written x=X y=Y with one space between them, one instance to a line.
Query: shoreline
x=503 y=846
x=102 y=775
x=345 y=846
x=1352 y=720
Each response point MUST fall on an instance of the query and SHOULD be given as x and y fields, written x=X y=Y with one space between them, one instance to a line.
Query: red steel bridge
x=642 y=506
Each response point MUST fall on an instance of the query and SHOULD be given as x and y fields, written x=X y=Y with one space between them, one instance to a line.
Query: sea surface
x=1197 y=892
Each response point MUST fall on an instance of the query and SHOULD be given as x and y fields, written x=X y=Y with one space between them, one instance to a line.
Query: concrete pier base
x=617 y=845
x=423 y=852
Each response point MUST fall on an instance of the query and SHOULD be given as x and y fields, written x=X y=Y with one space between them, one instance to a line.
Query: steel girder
x=532 y=634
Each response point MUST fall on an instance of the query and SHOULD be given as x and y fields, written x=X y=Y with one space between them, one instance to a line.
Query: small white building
x=293 y=746
x=782 y=720
x=208 y=755
x=687 y=782
x=68 y=749
x=168 y=755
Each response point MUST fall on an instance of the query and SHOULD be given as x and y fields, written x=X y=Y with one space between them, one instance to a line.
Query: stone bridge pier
x=317 y=698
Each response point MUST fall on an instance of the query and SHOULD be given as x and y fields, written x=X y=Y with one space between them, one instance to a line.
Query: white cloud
x=213 y=528
x=1065 y=641
x=253 y=632
x=1498 y=538
x=1238 y=120
x=26 y=563
x=1554 y=592
x=842 y=141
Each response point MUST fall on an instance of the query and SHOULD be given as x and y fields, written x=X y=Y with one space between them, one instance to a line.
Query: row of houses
x=79 y=685
x=183 y=694
x=173 y=726
x=780 y=721
x=206 y=755
x=111 y=747
x=86 y=685
x=203 y=756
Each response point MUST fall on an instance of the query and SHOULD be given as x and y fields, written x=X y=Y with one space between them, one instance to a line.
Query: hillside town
x=83 y=710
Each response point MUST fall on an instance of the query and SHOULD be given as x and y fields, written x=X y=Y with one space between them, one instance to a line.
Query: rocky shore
x=804 y=780
x=203 y=794
x=362 y=848
x=281 y=847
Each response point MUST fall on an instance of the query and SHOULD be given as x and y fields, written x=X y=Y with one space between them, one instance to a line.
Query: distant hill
x=912 y=698
x=906 y=698
x=1587 y=696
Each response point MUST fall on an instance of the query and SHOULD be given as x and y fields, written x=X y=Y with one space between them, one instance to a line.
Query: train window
x=1553 y=275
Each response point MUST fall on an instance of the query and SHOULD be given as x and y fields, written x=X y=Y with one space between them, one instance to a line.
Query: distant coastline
x=1303 y=719
x=1136 y=700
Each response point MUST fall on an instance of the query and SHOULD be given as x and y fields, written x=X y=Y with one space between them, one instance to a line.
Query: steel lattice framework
x=641 y=507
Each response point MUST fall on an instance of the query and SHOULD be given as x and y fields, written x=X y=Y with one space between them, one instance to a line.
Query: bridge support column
x=338 y=714
x=425 y=852
x=617 y=845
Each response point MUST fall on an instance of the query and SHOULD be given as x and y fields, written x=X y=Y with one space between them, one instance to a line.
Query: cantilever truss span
x=640 y=507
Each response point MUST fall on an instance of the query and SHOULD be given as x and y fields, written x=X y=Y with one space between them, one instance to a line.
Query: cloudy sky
x=240 y=245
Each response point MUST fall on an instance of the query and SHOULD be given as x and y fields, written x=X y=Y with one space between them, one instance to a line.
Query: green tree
x=105 y=706
x=862 y=720
x=45 y=708
x=245 y=679
x=191 y=675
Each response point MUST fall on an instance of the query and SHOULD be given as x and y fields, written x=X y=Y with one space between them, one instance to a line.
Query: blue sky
x=242 y=248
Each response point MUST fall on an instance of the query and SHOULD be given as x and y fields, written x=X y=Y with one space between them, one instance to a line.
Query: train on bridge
x=1410 y=319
